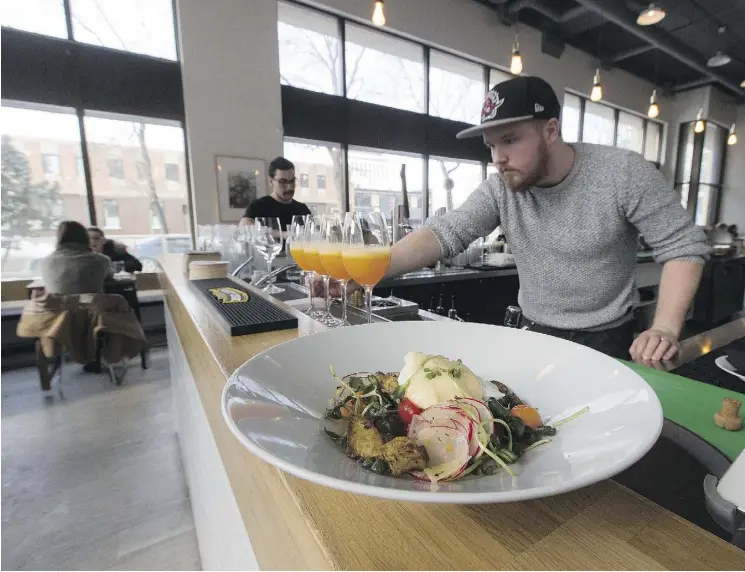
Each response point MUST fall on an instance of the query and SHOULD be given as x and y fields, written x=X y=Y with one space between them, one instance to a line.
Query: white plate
x=274 y=404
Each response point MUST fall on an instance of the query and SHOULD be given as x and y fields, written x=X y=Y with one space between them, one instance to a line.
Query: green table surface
x=692 y=404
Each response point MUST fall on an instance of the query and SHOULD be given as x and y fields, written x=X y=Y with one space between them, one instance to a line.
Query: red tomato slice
x=407 y=409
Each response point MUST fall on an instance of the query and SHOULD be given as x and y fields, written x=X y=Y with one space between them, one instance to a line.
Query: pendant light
x=597 y=89
x=516 y=64
x=700 y=122
x=732 y=137
x=654 y=109
x=378 y=15
x=718 y=60
x=651 y=16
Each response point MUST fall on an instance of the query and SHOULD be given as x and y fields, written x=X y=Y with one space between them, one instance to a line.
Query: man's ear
x=552 y=129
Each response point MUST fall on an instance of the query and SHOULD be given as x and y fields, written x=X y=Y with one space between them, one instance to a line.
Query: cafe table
x=250 y=515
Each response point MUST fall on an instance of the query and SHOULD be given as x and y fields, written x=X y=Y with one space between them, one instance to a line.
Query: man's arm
x=655 y=210
x=417 y=250
x=678 y=285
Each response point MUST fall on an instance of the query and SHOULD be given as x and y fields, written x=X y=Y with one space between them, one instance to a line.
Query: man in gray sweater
x=571 y=214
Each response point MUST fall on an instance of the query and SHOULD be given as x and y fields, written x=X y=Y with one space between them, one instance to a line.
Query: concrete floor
x=94 y=480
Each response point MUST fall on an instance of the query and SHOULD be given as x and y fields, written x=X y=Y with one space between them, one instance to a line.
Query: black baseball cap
x=516 y=99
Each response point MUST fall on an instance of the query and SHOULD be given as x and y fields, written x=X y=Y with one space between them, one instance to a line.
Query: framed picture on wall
x=239 y=181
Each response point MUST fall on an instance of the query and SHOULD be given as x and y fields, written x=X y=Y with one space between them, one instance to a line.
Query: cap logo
x=491 y=104
x=538 y=108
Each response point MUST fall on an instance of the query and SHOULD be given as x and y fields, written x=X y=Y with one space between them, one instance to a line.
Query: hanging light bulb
x=378 y=16
x=732 y=137
x=654 y=109
x=700 y=123
x=597 y=90
x=516 y=65
x=652 y=15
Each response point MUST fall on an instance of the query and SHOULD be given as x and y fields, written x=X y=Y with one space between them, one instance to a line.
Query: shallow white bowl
x=274 y=404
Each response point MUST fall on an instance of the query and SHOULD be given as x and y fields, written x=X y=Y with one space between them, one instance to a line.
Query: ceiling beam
x=692 y=84
x=588 y=22
x=624 y=18
x=620 y=56
x=544 y=8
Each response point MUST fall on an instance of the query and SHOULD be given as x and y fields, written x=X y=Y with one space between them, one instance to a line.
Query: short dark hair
x=96 y=229
x=280 y=164
x=71 y=232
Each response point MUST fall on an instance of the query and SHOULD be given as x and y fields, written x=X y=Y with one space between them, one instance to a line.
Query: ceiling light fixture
x=718 y=60
x=654 y=109
x=651 y=16
x=516 y=64
x=378 y=15
x=742 y=84
x=732 y=137
x=700 y=122
x=597 y=89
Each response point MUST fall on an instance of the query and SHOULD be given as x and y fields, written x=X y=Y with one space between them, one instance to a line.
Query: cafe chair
x=82 y=328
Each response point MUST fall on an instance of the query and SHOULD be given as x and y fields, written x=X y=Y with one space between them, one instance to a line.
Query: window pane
x=309 y=49
x=41 y=186
x=128 y=157
x=40 y=16
x=570 y=118
x=683 y=189
x=139 y=26
x=384 y=70
x=630 y=132
x=321 y=168
x=711 y=160
x=375 y=182
x=706 y=205
x=653 y=140
x=456 y=88
x=598 y=123
x=498 y=76
x=451 y=182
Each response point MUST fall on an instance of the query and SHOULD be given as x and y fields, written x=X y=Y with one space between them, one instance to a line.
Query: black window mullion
x=68 y=19
x=425 y=190
x=698 y=152
x=342 y=23
x=581 y=128
x=426 y=80
x=87 y=168
x=647 y=125
x=345 y=158
x=616 y=118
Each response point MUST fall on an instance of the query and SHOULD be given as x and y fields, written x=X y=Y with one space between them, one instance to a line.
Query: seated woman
x=116 y=251
x=73 y=268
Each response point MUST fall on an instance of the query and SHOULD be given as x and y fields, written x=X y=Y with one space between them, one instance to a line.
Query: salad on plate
x=434 y=420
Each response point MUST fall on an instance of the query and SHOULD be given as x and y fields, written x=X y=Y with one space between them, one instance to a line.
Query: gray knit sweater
x=575 y=243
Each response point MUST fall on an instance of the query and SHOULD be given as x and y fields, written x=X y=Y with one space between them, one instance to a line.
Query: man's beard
x=519 y=181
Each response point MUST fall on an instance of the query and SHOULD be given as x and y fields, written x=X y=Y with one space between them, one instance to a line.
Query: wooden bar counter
x=250 y=515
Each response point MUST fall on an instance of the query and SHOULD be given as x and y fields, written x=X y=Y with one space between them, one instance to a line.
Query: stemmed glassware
x=268 y=237
x=366 y=251
x=296 y=241
x=329 y=250
x=311 y=253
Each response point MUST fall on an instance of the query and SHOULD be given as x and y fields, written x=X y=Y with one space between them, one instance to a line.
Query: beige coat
x=74 y=322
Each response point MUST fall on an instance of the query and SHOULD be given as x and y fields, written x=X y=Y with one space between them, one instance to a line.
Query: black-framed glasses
x=286 y=182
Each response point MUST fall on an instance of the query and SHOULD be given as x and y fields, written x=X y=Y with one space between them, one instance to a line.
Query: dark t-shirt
x=269 y=207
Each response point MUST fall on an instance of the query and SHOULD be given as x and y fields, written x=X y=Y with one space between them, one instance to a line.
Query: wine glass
x=329 y=251
x=313 y=240
x=366 y=251
x=296 y=242
x=268 y=241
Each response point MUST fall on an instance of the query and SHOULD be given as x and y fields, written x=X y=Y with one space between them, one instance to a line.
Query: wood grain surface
x=294 y=524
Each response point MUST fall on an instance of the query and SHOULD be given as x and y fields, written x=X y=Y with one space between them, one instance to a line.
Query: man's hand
x=654 y=345
x=316 y=286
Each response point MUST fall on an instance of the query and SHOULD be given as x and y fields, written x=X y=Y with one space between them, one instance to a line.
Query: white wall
x=230 y=68
x=732 y=209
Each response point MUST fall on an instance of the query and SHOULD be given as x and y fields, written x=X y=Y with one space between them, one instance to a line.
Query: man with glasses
x=280 y=203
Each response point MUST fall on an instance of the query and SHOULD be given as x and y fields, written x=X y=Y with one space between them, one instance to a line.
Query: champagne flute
x=268 y=241
x=296 y=242
x=313 y=242
x=329 y=251
x=366 y=251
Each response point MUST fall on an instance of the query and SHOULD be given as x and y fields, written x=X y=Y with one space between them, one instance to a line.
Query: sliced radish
x=443 y=444
x=446 y=472
x=416 y=425
x=448 y=415
x=484 y=413
x=469 y=409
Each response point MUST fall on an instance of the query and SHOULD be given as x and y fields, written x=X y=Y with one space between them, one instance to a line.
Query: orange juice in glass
x=298 y=255
x=312 y=258
x=297 y=243
x=331 y=259
x=366 y=251
x=367 y=265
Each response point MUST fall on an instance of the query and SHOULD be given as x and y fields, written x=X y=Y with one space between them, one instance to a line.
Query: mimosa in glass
x=330 y=254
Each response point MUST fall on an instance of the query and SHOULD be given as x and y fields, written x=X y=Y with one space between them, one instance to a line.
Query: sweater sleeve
x=478 y=216
x=654 y=209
